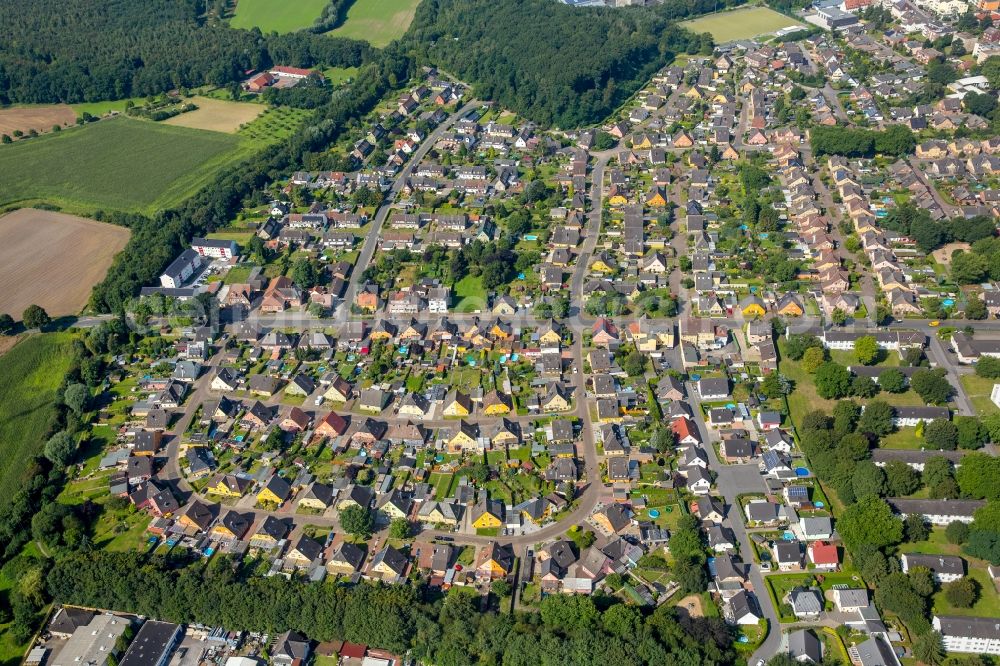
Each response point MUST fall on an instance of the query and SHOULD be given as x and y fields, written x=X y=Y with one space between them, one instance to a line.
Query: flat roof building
x=153 y=644
x=93 y=644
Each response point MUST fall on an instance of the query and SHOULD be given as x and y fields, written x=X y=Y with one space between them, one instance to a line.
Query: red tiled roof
x=683 y=428
x=294 y=71
x=823 y=552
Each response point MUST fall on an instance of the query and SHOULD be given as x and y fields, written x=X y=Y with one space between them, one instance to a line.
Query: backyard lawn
x=988 y=604
x=470 y=294
x=903 y=438
x=442 y=484
x=778 y=586
x=978 y=389
x=989 y=600
x=805 y=399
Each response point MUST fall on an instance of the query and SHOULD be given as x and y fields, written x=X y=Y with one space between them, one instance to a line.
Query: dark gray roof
x=938 y=564
x=963 y=508
x=969 y=627
x=151 y=642
x=803 y=644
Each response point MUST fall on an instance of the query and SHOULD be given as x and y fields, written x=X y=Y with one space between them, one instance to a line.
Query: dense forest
x=90 y=50
x=445 y=631
x=554 y=64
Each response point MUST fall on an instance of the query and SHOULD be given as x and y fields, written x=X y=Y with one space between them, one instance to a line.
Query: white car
x=320 y=398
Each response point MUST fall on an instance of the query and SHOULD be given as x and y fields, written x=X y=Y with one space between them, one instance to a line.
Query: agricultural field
x=30 y=374
x=742 y=23
x=275 y=124
x=39 y=118
x=377 y=22
x=115 y=164
x=277 y=15
x=217 y=115
x=53 y=259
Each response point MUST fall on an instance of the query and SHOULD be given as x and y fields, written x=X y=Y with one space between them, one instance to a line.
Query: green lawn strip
x=978 y=390
x=30 y=375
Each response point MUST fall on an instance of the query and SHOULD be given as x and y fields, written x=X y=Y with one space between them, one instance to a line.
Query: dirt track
x=53 y=259
x=39 y=118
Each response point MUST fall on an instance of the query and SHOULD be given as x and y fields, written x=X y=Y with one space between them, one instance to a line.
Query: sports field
x=377 y=22
x=39 y=118
x=116 y=164
x=216 y=115
x=30 y=374
x=743 y=23
x=52 y=259
x=277 y=15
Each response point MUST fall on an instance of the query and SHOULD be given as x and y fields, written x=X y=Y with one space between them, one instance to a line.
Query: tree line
x=445 y=630
x=87 y=50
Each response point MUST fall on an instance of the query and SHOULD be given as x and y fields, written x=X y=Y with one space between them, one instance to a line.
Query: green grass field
x=116 y=164
x=742 y=23
x=377 y=22
x=470 y=294
x=30 y=374
x=98 y=109
x=338 y=76
x=11 y=652
x=277 y=15
x=988 y=603
x=978 y=390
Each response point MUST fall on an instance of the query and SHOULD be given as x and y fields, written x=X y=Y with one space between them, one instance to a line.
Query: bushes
x=962 y=593
x=957 y=533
